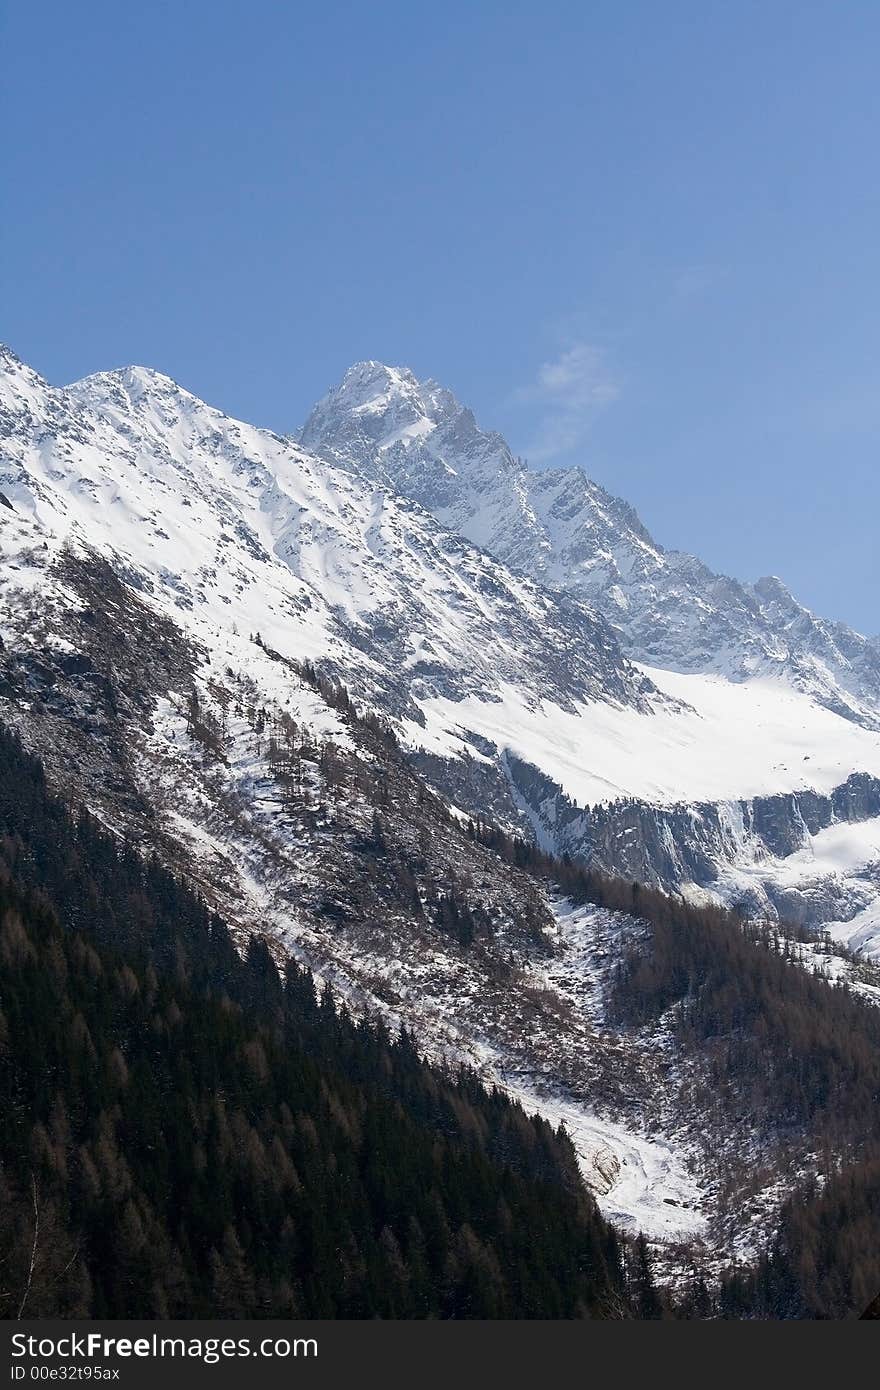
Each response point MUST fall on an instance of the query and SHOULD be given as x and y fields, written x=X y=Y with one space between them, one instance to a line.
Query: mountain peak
x=373 y=408
x=9 y=359
x=373 y=388
x=371 y=373
x=567 y=532
x=379 y=419
x=771 y=589
x=133 y=382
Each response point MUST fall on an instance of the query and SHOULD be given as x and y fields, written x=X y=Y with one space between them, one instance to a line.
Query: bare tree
x=36 y=1240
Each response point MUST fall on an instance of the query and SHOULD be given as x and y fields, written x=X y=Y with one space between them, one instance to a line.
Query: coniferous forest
x=187 y=1134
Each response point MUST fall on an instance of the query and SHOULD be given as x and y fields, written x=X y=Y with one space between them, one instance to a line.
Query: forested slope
x=185 y=1134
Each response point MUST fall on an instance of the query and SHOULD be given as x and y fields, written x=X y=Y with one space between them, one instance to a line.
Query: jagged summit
x=374 y=388
x=562 y=529
x=369 y=384
x=383 y=416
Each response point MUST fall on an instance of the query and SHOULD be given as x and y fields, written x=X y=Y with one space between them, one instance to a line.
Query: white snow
x=735 y=740
x=640 y=1183
x=861 y=933
x=839 y=849
x=226 y=525
x=558 y=526
x=234 y=531
x=231 y=530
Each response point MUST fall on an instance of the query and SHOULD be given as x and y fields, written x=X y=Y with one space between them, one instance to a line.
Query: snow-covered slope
x=721 y=740
x=145 y=541
x=231 y=525
x=558 y=526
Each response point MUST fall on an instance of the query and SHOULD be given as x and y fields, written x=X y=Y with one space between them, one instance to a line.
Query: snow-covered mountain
x=777 y=706
x=559 y=527
x=233 y=525
x=181 y=596
x=511 y=691
x=169 y=580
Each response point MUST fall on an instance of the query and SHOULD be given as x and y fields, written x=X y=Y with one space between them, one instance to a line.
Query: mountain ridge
x=667 y=608
x=334 y=557
x=235 y=531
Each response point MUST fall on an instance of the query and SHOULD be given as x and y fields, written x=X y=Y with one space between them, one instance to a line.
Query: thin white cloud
x=572 y=390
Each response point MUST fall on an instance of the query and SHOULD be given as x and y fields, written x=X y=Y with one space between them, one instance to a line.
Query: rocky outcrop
x=706 y=844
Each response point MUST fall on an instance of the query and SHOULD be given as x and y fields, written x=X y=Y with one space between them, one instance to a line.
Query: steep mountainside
x=168 y=576
x=198 y=1139
x=513 y=698
x=306 y=824
x=183 y=599
x=235 y=527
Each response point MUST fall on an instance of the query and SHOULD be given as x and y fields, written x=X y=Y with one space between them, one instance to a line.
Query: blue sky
x=643 y=237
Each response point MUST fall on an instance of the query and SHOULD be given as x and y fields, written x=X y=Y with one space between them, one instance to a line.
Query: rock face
x=559 y=527
x=763 y=856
